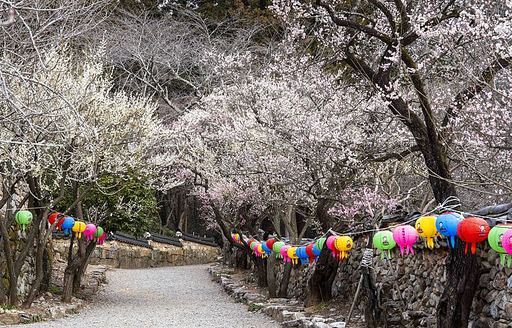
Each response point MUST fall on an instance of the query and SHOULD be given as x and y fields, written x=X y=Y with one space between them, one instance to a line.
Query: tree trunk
x=82 y=268
x=319 y=288
x=462 y=270
x=260 y=265
x=283 y=287
x=271 y=276
x=374 y=316
x=67 y=289
x=462 y=277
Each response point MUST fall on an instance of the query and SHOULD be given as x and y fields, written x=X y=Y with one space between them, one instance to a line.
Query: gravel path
x=163 y=297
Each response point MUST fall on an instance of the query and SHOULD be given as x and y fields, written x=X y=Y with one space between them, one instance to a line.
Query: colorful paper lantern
x=99 y=232
x=320 y=243
x=235 y=237
x=426 y=228
x=343 y=245
x=260 y=250
x=405 y=236
x=310 y=253
x=60 y=223
x=331 y=240
x=102 y=238
x=53 y=217
x=446 y=224
x=255 y=248
x=266 y=249
x=67 y=224
x=23 y=218
x=383 y=241
x=276 y=248
x=292 y=255
x=316 y=250
x=495 y=241
x=270 y=242
x=284 y=253
x=473 y=230
x=78 y=229
x=506 y=241
x=302 y=255
x=89 y=231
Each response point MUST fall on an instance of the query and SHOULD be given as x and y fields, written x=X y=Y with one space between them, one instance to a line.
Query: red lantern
x=309 y=251
x=473 y=230
x=270 y=242
x=61 y=221
x=53 y=217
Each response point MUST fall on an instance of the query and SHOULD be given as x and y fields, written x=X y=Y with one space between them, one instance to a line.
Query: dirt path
x=163 y=297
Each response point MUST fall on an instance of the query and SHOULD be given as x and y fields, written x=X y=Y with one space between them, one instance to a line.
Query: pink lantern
x=102 y=238
x=405 y=236
x=89 y=231
x=284 y=253
x=506 y=241
x=331 y=242
x=255 y=249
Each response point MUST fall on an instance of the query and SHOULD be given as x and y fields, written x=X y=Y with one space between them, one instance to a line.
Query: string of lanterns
x=66 y=224
x=451 y=225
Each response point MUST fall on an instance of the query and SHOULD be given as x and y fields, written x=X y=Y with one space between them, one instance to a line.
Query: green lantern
x=494 y=239
x=98 y=233
x=320 y=243
x=23 y=218
x=277 y=247
x=383 y=240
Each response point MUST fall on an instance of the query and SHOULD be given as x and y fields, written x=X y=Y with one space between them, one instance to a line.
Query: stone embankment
x=410 y=287
x=288 y=312
x=120 y=255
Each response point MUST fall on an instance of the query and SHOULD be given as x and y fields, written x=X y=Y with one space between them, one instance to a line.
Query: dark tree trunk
x=67 y=289
x=374 y=315
x=462 y=277
x=271 y=276
x=283 y=287
x=260 y=265
x=462 y=270
x=320 y=284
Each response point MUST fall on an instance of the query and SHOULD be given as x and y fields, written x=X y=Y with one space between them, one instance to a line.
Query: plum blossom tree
x=63 y=126
x=442 y=69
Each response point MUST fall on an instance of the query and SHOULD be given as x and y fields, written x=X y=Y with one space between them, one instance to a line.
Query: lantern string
x=449 y=204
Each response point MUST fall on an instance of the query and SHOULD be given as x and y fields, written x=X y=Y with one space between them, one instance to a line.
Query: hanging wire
x=449 y=204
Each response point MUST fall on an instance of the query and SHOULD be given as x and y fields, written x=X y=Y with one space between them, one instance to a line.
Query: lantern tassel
x=473 y=248
x=430 y=243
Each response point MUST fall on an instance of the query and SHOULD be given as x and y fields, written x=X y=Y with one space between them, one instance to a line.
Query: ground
x=162 y=297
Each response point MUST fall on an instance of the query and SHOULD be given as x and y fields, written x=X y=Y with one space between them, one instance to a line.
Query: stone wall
x=411 y=286
x=121 y=255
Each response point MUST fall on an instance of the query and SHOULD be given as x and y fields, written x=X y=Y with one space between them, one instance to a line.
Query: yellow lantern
x=426 y=227
x=261 y=251
x=343 y=244
x=78 y=228
x=292 y=255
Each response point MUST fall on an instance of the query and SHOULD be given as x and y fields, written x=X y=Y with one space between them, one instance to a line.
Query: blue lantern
x=265 y=248
x=316 y=250
x=302 y=255
x=446 y=224
x=68 y=224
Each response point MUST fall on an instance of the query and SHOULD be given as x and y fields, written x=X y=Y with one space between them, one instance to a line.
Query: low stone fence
x=120 y=255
